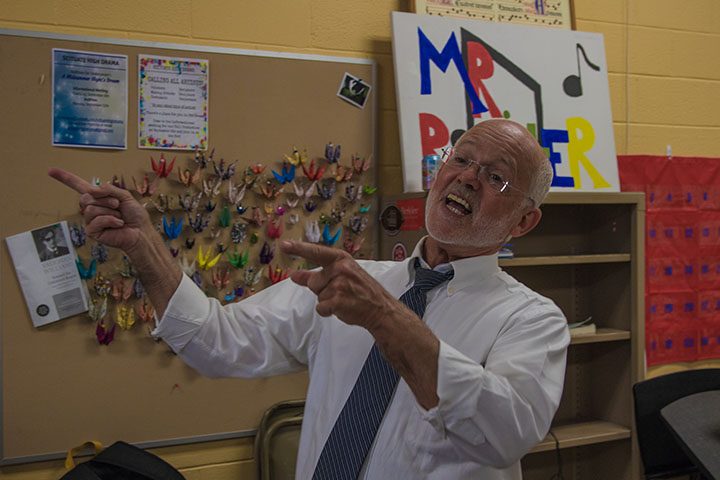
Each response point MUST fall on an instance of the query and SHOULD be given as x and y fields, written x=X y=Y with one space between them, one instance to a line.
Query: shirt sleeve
x=496 y=412
x=272 y=332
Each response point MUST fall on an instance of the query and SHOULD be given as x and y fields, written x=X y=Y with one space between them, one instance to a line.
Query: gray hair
x=540 y=183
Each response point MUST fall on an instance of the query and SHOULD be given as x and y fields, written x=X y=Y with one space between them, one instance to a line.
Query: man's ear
x=527 y=222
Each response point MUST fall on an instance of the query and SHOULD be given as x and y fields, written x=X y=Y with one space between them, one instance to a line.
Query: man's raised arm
x=347 y=291
x=113 y=217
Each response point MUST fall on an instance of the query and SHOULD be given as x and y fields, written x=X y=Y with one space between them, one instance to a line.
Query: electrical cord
x=558 y=475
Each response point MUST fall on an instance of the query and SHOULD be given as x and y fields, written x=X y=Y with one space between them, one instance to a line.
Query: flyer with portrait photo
x=44 y=261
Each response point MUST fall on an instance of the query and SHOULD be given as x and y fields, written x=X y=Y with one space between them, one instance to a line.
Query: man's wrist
x=389 y=321
x=157 y=269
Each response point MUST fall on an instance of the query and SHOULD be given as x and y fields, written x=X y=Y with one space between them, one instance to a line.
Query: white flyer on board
x=44 y=261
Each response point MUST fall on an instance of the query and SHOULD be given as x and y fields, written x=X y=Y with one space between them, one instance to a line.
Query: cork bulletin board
x=60 y=387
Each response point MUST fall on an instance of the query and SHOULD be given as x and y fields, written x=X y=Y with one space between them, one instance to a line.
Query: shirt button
x=451 y=290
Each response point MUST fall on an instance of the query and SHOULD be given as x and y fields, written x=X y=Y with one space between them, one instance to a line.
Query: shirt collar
x=468 y=271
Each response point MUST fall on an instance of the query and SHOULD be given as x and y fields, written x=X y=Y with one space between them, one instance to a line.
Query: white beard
x=481 y=233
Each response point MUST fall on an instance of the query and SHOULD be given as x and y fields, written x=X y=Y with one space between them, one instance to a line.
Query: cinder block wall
x=664 y=72
x=664 y=77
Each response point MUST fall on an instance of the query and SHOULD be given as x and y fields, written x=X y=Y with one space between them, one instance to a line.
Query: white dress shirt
x=500 y=369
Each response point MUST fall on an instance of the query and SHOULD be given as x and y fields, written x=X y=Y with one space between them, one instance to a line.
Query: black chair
x=661 y=455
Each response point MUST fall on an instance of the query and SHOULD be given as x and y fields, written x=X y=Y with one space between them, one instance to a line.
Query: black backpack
x=122 y=461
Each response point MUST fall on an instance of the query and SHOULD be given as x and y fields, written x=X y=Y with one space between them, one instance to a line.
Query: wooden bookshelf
x=602 y=335
x=564 y=260
x=582 y=433
x=587 y=254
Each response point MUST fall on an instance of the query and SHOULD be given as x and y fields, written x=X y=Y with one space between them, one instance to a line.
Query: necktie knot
x=426 y=280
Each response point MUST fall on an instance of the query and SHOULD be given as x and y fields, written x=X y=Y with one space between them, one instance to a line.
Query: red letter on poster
x=480 y=67
x=433 y=133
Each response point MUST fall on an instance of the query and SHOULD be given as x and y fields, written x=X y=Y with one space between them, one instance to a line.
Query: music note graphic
x=573 y=83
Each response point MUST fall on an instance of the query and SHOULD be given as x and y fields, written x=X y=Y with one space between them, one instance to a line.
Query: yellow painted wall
x=664 y=77
x=663 y=72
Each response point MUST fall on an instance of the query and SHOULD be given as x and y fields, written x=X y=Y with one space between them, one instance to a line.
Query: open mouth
x=457 y=205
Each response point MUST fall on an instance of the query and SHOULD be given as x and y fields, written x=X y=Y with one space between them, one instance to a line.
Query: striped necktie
x=352 y=435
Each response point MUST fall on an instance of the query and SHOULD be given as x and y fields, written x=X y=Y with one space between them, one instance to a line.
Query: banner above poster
x=543 y=13
x=453 y=73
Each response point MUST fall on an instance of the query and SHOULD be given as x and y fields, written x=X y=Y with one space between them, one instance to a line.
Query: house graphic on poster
x=453 y=73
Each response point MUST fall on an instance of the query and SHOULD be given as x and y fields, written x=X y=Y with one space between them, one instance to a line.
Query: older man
x=441 y=366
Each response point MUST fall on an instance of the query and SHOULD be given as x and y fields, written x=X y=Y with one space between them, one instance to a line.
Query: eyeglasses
x=490 y=174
